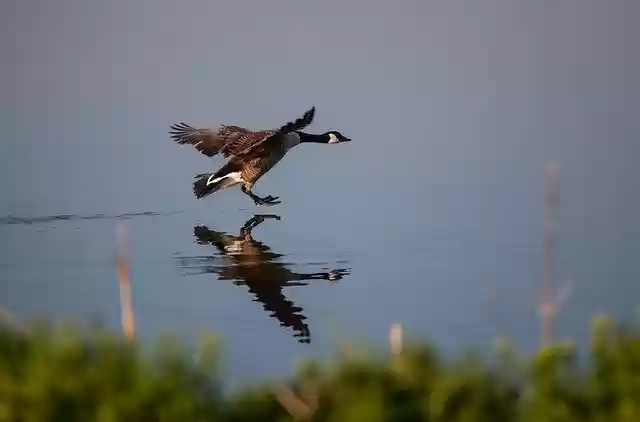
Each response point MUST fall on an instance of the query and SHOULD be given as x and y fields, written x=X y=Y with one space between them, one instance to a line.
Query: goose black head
x=330 y=137
x=335 y=137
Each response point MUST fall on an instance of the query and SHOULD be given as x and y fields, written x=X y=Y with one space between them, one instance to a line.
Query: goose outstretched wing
x=237 y=141
x=225 y=139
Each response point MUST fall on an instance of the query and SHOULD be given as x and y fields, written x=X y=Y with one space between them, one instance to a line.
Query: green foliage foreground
x=68 y=374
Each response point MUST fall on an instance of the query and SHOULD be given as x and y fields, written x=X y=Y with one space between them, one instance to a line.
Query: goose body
x=251 y=153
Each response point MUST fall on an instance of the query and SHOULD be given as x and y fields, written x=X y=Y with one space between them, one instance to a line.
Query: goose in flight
x=251 y=153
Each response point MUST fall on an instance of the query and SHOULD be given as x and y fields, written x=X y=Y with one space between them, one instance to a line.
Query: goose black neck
x=309 y=137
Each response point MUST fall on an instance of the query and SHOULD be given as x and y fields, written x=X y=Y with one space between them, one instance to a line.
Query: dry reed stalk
x=124 y=281
x=300 y=408
x=395 y=339
x=9 y=318
x=547 y=306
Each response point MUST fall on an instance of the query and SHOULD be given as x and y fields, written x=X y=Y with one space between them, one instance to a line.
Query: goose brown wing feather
x=208 y=141
x=226 y=140
x=272 y=138
x=245 y=142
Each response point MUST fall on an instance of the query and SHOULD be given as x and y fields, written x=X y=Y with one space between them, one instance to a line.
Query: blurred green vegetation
x=67 y=372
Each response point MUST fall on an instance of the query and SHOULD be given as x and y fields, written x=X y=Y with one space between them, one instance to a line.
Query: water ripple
x=12 y=219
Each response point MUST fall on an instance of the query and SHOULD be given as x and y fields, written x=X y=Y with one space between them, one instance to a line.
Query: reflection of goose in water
x=254 y=264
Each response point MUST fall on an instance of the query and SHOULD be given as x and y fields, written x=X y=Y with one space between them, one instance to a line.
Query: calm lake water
x=459 y=271
x=432 y=217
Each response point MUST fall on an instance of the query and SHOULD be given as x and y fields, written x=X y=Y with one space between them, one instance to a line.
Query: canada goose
x=253 y=264
x=253 y=153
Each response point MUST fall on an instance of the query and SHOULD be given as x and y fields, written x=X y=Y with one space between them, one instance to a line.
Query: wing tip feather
x=180 y=132
x=301 y=122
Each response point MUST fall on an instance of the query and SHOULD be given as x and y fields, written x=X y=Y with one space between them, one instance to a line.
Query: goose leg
x=267 y=200
x=255 y=221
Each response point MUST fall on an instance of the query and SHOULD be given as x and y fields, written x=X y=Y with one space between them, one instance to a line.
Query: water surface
x=432 y=216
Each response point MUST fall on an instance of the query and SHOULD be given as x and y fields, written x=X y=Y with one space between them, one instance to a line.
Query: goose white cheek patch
x=333 y=139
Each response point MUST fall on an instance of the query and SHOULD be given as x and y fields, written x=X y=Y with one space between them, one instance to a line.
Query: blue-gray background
x=454 y=107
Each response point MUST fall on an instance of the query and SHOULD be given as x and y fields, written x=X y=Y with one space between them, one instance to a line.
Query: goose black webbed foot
x=267 y=200
x=257 y=219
